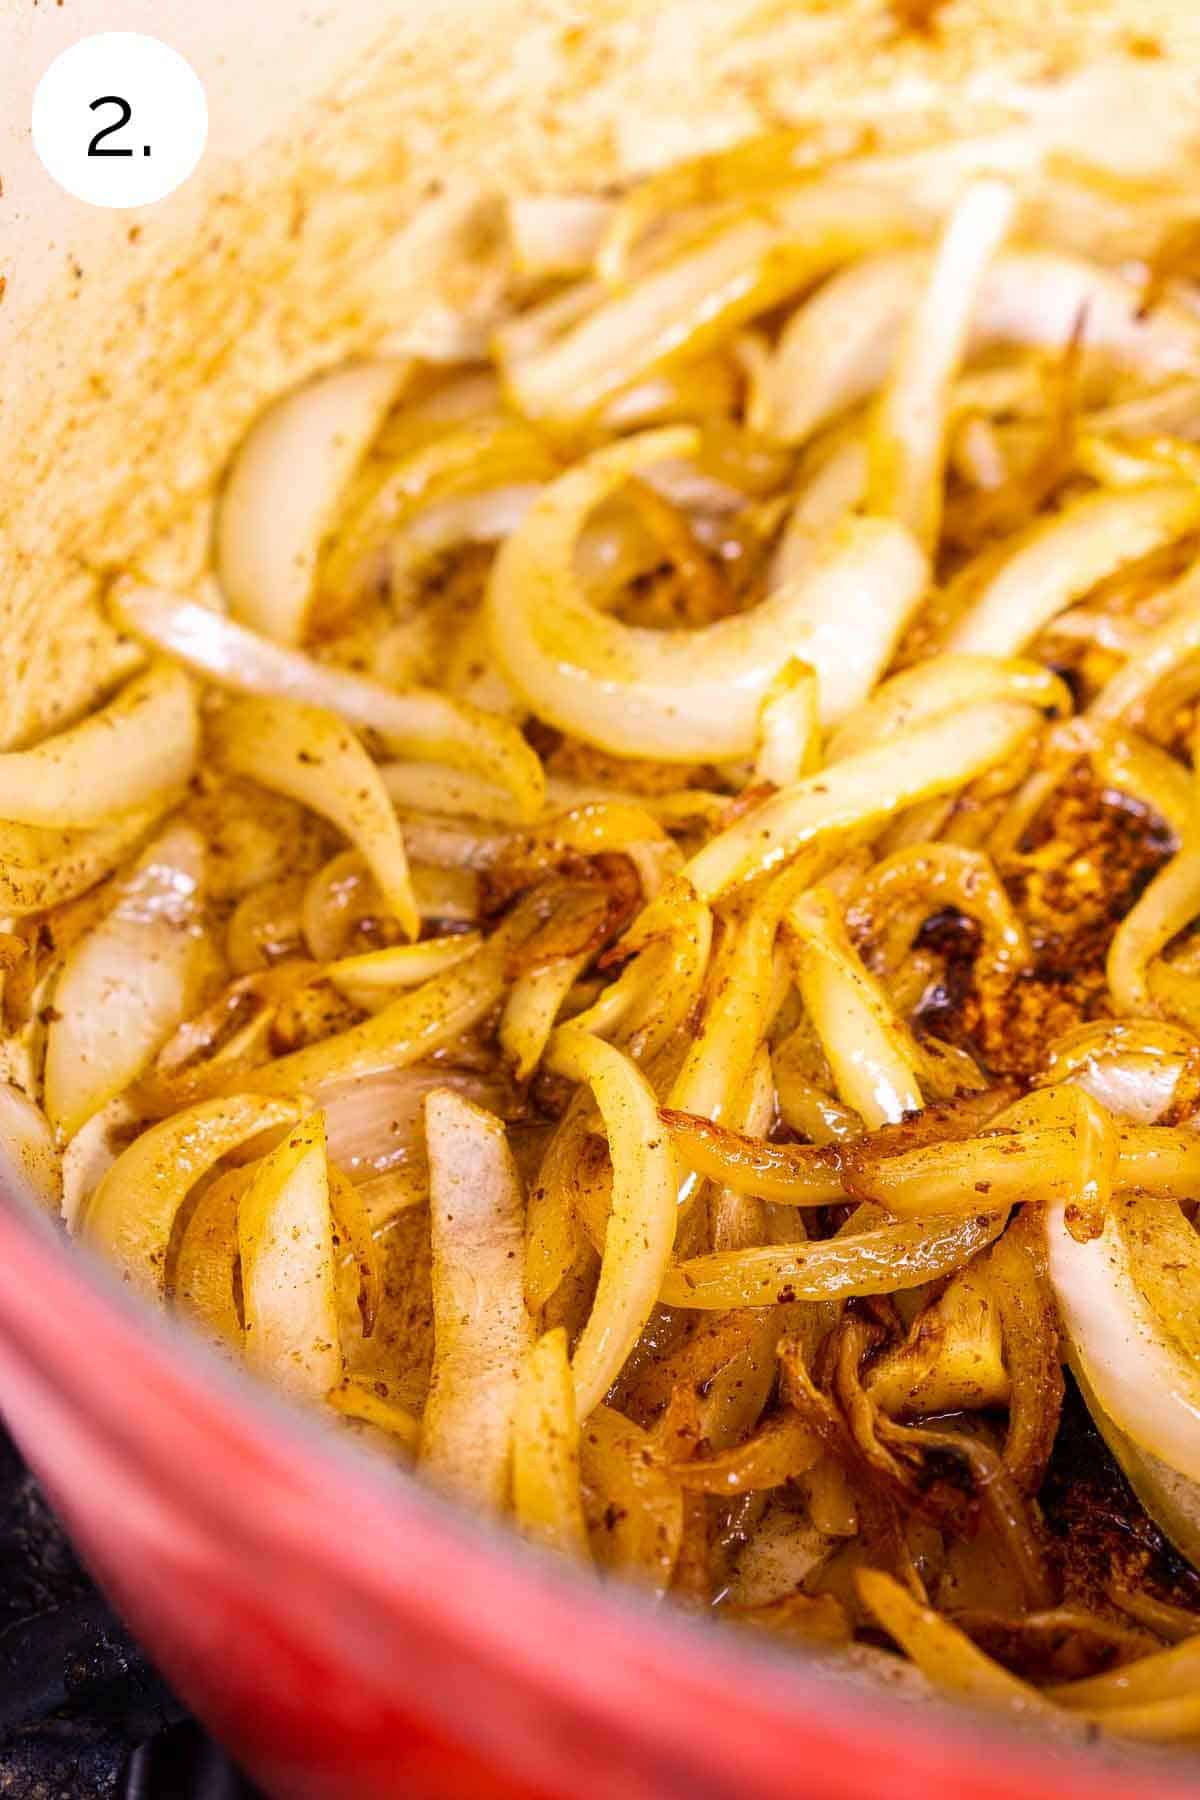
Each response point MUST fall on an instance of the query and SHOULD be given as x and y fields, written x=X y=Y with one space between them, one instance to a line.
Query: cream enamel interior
x=137 y=346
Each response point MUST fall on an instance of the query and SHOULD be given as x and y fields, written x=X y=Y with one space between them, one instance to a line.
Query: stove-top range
x=83 y=1714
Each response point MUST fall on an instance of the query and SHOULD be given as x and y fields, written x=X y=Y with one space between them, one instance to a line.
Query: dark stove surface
x=83 y=1714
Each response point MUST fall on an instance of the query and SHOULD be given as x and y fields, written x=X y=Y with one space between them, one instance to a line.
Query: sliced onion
x=1154 y=657
x=883 y=1260
x=482 y=1332
x=682 y=695
x=27 y=1143
x=289 y=1290
x=309 y=755
x=641 y=1226
x=429 y=1018
x=533 y=1004
x=141 y=745
x=833 y=492
x=418 y=722
x=789 y=737
x=378 y=975
x=1153 y=777
x=1141 y=1379
x=373 y=1122
x=425 y=787
x=91 y=1153
x=1171 y=902
x=635 y=1508
x=127 y=984
x=557 y=234
x=130 y=1216
x=943 y=684
x=691 y=303
x=359 y=1400
x=284 y=487
x=949 y=1658
x=933 y=758
x=462 y=484
x=871 y=1054
x=546 y=1494
x=908 y=434
x=41 y=867
x=1058 y=560
x=838 y=348
x=206 y=1263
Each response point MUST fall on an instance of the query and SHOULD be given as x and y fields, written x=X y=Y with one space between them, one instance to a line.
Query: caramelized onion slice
x=416 y=722
x=27 y=1142
x=838 y=348
x=908 y=434
x=311 y=756
x=142 y=744
x=947 y=1656
x=477 y=1218
x=1140 y=1376
x=870 y=1051
x=641 y=1225
x=703 y=294
x=283 y=489
x=1059 y=559
x=933 y=758
x=130 y=1216
x=547 y=1498
x=685 y=694
x=41 y=867
x=289 y=1288
x=883 y=1260
x=126 y=985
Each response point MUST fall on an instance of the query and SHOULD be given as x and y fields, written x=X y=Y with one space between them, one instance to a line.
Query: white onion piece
x=557 y=234
x=284 y=487
x=1141 y=1380
x=289 y=1279
x=481 y=1329
x=835 y=490
x=309 y=755
x=1133 y=1087
x=934 y=758
x=908 y=434
x=375 y=977
x=789 y=740
x=91 y=1153
x=642 y=1220
x=373 y=1122
x=41 y=867
x=482 y=518
x=419 y=722
x=681 y=308
x=27 y=1142
x=426 y=787
x=127 y=984
x=870 y=1054
x=141 y=744
x=1060 y=559
x=943 y=684
x=680 y=695
x=838 y=348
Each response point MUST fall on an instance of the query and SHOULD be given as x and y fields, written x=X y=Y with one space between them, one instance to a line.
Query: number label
x=126 y=112
x=119 y=118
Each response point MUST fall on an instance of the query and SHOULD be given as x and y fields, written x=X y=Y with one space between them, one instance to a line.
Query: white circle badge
x=120 y=119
